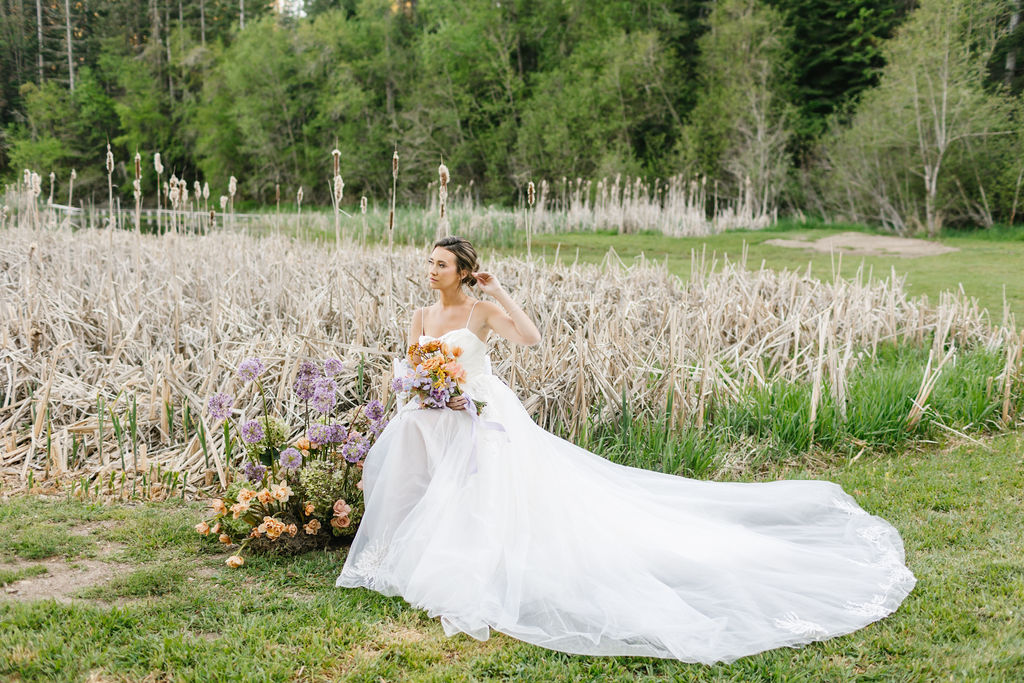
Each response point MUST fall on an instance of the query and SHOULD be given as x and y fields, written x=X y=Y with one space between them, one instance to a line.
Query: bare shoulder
x=490 y=310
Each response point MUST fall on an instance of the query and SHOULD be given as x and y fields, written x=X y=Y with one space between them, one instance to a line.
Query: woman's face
x=442 y=269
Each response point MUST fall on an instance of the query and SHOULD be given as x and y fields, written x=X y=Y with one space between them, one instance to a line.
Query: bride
x=491 y=522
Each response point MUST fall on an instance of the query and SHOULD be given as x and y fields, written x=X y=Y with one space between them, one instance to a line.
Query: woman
x=490 y=521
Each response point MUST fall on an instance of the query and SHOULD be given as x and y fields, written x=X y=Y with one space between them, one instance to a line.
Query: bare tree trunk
x=71 y=60
x=39 y=34
x=202 y=22
x=1011 y=54
x=241 y=14
x=170 y=78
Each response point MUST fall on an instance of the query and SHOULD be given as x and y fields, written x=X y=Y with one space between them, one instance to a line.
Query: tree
x=930 y=107
x=742 y=123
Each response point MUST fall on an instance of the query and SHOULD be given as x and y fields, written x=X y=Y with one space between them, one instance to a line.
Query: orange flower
x=245 y=495
x=292 y=529
x=215 y=529
x=254 y=533
x=203 y=528
x=239 y=508
x=225 y=539
x=282 y=492
x=312 y=527
x=308 y=509
x=341 y=508
x=456 y=371
x=340 y=522
x=219 y=507
x=235 y=561
x=264 y=496
x=456 y=351
x=303 y=444
x=446 y=349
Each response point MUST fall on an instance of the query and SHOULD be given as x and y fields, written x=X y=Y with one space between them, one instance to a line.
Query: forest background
x=895 y=113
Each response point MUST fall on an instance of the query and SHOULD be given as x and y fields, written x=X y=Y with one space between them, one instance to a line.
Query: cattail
x=337 y=161
x=206 y=190
x=198 y=188
x=53 y=177
x=339 y=187
x=531 y=193
x=394 y=166
x=298 y=199
x=232 y=186
x=138 y=166
x=71 y=187
x=159 y=168
x=3 y=215
x=442 y=196
x=362 y=210
x=223 y=202
x=110 y=186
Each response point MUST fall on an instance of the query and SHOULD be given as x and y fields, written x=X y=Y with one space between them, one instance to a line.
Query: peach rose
x=341 y=508
x=281 y=492
x=308 y=509
x=312 y=527
x=225 y=539
x=255 y=533
x=359 y=484
x=456 y=371
x=246 y=495
x=203 y=528
x=340 y=522
x=303 y=444
x=292 y=529
x=238 y=509
x=265 y=496
x=235 y=561
x=219 y=507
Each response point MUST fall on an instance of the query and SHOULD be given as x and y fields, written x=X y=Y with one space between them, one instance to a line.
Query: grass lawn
x=163 y=604
x=984 y=264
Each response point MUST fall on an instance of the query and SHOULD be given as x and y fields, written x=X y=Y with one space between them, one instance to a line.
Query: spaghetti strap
x=471 y=312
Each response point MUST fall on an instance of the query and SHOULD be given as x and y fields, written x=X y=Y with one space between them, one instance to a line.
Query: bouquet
x=296 y=485
x=432 y=376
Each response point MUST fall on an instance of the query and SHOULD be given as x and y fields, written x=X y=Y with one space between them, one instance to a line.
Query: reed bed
x=111 y=341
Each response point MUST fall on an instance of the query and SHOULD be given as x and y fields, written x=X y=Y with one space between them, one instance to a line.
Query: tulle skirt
x=491 y=522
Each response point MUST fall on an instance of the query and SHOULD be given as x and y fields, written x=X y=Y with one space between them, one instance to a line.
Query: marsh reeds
x=153 y=321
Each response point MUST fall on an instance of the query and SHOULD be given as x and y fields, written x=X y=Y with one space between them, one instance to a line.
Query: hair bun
x=469 y=280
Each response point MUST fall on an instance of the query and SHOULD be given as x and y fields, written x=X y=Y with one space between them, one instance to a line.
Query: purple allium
x=337 y=433
x=326 y=385
x=323 y=401
x=219 y=406
x=250 y=369
x=355 y=448
x=377 y=426
x=332 y=366
x=291 y=459
x=374 y=410
x=252 y=431
x=253 y=472
x=318 y=435
x=308 y=370
x=398 y=385
x=304 y=388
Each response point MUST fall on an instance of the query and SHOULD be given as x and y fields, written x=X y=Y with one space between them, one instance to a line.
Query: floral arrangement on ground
x=301 y=489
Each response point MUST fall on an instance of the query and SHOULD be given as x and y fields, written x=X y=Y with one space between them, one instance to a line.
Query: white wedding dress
x=491 y=522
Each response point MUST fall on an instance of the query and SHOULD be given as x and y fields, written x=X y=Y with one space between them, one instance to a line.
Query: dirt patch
x=867 y=245
x=66 y=576
x=62 y=578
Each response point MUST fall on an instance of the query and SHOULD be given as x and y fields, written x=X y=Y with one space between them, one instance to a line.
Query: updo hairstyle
x=465 y=256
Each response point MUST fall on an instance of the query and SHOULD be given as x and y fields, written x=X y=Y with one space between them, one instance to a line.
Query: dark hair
x=465 y=256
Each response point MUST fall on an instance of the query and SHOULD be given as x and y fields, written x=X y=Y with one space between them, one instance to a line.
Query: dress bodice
x=474 y=358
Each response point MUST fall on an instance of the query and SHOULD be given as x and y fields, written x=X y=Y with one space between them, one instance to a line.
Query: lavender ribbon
x=478 y=420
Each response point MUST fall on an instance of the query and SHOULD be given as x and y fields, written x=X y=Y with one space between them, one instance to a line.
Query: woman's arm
x=415 y=326
x=512 y=323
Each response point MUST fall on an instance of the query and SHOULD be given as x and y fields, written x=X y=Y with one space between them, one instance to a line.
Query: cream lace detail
x=874 y=608
x=847 y=506
x=801 y=627
x=369 y=563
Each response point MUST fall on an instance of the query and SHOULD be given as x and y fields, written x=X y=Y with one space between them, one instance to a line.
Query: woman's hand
x=487 y=283
x=457 y=403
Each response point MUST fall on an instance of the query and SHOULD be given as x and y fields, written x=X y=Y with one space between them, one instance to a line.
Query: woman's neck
x=452 y=297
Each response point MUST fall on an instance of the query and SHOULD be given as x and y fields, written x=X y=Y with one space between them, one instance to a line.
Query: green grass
x=183 y=615
x=984 y=266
